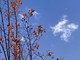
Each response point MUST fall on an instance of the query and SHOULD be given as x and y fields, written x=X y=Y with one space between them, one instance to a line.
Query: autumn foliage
x=18 y=37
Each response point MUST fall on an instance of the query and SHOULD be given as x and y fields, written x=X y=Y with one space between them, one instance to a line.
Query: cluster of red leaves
x=35 y=47
x=11 y=36
x=10 y=27
x=39 y=31
x=18 y=24
x=7 y=14
x=25 y=15
x=16 y=41
x=50 y=54
x=16 y=49
x=15 y=4
x=1 y=39
x=30 y=12
x=15 y=59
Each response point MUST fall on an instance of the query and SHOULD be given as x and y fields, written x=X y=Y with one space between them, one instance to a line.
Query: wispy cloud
x=64 y=28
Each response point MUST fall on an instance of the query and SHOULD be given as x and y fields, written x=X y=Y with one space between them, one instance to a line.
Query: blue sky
x=50 y=13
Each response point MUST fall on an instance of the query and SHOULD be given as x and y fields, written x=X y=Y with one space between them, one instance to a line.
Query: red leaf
x=25 y=15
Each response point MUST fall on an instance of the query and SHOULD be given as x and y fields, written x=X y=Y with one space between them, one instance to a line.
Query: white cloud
x=64 y=28
x=72 y=26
